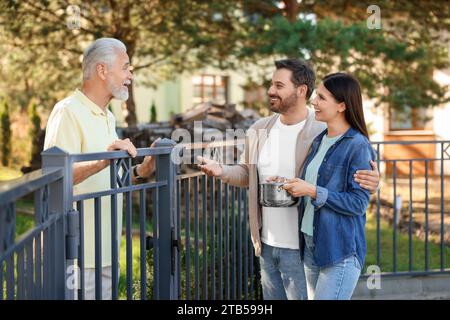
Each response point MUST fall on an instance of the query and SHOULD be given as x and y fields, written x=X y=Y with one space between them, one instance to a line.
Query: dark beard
x=285 y=104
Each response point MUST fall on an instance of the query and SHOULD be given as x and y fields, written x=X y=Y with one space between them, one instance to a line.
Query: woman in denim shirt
x=333 y=206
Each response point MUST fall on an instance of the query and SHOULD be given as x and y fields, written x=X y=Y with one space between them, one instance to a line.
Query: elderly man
x=81 y=123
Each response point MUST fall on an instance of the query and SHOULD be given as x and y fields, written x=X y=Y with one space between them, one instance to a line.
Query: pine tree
x=153 y=116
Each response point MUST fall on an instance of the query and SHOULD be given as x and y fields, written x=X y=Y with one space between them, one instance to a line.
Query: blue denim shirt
x=340 y=205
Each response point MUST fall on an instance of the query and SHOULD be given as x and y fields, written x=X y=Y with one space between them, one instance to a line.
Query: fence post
x=60 y=200
x=166 y=171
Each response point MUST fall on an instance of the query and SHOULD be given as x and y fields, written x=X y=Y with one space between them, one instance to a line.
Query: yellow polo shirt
x=78 y=125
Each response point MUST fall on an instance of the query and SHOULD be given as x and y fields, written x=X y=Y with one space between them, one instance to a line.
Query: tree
x=35 y=129
x=41 y=51
x=153 y=117
x=394 y=63
x=6 y=134
x=44 y=40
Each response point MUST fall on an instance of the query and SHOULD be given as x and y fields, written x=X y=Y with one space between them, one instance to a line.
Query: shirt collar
x=95 y=109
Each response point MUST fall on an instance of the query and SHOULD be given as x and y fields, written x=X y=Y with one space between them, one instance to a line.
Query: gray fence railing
x=48 y=262
x=192 y=239
x=410 y=187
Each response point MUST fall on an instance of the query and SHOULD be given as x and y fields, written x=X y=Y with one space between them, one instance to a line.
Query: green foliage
x=153 y=116
x=164 y=38
x=5 y=134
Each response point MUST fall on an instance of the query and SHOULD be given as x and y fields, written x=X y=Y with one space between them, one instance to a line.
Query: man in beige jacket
x=268 y=152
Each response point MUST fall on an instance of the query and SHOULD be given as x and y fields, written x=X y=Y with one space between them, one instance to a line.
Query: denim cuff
x=321 y=197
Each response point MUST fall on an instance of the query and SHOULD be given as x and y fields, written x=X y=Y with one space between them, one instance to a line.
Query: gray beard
x=117 y=92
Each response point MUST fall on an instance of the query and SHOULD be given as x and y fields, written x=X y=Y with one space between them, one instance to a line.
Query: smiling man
x=277 y=146
x=82 y=123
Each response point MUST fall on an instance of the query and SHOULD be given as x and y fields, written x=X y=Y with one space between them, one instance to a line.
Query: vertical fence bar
x=165 y=171
x=204 y=239
x=98 y=248
x=51 y=261
x=178 y=199
x=197 y=249
x=233 y=244
x=20 y=275
x=219 y=245
x=410 y=216
x=212 y=245
x=378 y=213
x=60 y=201
x=442 y=207
x=227 y=243
x=426 y=216
x=38 y=267
x=246 y=256
x=45 y=257
x=81 y=290
x=156 y=283
x=187 y=200
x=395 y=217
x=142 y=236
x=54 y=258
x=115 y=233
x=239 y=252
x=251 y=259
x=129 y=235
x=29 y=271
x=10 y=285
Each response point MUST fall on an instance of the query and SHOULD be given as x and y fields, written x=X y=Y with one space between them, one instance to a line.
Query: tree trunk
x=131 y=119
x=292 y=10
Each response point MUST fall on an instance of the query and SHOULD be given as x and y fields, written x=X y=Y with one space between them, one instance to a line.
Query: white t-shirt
x=277 y=158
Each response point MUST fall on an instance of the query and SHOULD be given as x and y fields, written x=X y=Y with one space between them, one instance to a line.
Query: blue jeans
x=336 y=282
x=282 y=274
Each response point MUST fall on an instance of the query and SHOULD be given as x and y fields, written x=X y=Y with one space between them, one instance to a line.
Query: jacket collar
x=350 y=133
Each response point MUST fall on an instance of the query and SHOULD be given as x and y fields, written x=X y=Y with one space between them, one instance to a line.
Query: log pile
x=211 y=116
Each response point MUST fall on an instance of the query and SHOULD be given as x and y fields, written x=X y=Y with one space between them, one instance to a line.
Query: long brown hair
x=345 y=88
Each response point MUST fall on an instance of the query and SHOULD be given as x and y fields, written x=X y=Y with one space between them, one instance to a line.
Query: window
x=210 y=88
x=408 y=118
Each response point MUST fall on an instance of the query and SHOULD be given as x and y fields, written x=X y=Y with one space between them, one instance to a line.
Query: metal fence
x=48 y=262
x=404 y=200
x=193 y=238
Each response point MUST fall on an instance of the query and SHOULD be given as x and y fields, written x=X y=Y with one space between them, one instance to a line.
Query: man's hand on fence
x=210 y=167
x=125 y=145
x=368 y=179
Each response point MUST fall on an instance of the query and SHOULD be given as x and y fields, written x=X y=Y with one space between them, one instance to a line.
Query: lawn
x=418 y=249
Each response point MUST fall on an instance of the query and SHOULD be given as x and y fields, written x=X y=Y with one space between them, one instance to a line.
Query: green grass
x=9 y=173
x=402 y=252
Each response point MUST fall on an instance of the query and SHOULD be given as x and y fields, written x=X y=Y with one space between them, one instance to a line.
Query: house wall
x=175 y=96
x=441 y=122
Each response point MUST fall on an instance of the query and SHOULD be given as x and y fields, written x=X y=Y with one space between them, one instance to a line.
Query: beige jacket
x=245 y=174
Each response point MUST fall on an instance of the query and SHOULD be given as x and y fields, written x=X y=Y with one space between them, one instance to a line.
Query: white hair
x=103 y=50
